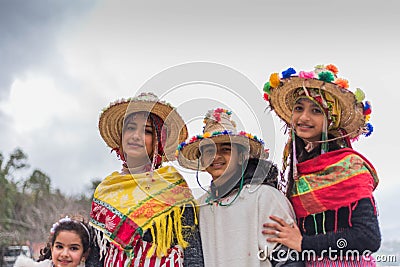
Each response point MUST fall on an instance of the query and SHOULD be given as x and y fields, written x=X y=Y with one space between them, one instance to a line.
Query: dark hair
x=74 y=224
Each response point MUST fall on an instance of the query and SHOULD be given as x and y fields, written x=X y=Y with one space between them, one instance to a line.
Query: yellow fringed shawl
x=125 y=206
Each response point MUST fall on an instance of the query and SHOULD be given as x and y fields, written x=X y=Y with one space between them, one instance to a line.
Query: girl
x=144 y=215
x=68 y=246
x=329 y=184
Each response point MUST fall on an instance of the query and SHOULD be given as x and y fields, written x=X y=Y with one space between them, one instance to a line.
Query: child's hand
x=286 y=234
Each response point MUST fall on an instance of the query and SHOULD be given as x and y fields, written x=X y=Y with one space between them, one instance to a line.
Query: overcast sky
x=63 y=61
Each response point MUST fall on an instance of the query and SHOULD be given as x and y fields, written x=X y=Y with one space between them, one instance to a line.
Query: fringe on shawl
x=164 y=231
x=351 y=207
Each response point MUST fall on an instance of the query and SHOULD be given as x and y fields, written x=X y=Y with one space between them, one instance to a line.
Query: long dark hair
x=76 y=225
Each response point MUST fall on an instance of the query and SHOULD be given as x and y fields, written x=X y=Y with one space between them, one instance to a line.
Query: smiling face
x=67 y=250
x=137 y=139
x=222 y=159
x=308 y=120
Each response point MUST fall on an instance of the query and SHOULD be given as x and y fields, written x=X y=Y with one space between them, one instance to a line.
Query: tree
x=8 y=188
x=27 y=212
x=38 y=184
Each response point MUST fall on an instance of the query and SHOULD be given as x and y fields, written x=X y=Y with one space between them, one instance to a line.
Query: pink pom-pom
x=307 y=75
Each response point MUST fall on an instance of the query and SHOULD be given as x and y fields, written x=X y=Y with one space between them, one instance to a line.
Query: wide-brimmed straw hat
x=281 y=92
x=218 y=128
x=112 y=119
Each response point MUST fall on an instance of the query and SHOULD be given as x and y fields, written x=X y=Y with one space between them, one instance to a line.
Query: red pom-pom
x=367 y=111
x=266 y=98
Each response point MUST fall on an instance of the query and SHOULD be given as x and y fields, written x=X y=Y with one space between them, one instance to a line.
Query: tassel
x=350 y=213
x=315 y=224
x=336 y=220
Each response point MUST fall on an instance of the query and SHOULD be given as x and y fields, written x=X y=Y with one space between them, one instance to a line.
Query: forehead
x=216 y=145
x=139 y=117
x=68 y=237
x=306 y=101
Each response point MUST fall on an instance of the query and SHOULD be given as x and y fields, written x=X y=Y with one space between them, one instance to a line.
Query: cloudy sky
x=63 y=61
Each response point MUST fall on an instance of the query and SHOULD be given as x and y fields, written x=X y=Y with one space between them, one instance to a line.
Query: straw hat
x=282 y=93
x=112 y=119
x=218 y=128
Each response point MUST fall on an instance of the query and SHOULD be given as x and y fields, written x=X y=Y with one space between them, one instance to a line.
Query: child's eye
x=59 y=247
x=74 y=248
x=298 y=108
x=317 y=110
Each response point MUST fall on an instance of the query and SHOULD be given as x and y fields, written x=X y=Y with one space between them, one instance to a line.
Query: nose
x=136 y=135
x=64 y=252
x=304 y=116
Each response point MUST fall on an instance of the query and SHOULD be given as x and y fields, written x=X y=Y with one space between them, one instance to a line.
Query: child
x=144 y=215
x=329 y=184
x=68 y=246
x=241 y=196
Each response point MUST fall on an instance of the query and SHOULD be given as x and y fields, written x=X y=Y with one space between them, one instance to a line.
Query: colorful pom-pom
x=206 y=134
x=332 y=68
x=368 y=129
x=274 y=80
x=359 y=94
x=287 y=73
x=326 y=76
x=367 y=108
x=266 y=97
x=307 y=74
x=342 y=83
x=266 y=88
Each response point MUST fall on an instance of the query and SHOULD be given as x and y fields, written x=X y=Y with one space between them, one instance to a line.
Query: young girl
x=242 y=193
x=329 y=184
x=144 y=215
x=68 y=246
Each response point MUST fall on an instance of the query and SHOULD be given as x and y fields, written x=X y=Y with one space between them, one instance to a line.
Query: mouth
x=64 y=262
x=304 y=126
x=135 y=145
x=217 y=165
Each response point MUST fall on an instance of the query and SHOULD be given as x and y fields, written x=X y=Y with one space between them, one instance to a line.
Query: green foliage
x=29 y=206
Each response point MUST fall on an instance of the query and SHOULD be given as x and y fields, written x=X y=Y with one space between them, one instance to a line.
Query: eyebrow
x=60 y=243
x=226 y=144
x=301 y=102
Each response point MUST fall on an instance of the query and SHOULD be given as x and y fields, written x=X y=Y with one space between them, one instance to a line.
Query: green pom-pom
x=360 y=96
x=267 y=88
x=326 y=76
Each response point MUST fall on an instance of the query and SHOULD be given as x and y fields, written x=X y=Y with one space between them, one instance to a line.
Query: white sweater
x=23 y=261
x=231 y=235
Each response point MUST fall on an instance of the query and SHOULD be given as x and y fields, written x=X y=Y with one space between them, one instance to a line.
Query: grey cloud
x=27 y=33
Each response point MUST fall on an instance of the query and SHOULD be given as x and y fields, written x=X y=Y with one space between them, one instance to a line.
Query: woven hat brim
x=282 y=100
x=112 y=119
x=188 y=157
